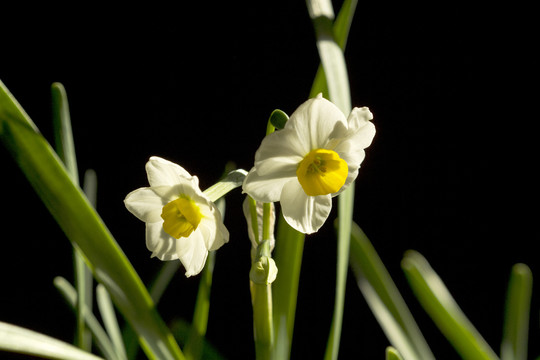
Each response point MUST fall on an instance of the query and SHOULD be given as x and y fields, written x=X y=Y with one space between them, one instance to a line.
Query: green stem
x=194 y=345
x=260 y=287
x=261 y=298
x=288 y=255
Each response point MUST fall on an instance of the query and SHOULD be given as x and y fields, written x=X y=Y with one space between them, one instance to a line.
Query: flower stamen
x=181 y=217
x=322 y=172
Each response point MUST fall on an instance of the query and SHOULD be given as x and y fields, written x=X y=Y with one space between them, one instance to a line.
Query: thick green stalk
x=261 y=285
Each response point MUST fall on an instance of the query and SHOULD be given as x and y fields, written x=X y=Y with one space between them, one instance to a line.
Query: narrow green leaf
x=194 y=345
x=384 y=299
x=517 y=312
x=337 y=81
x=83 y=227
x=65 y=148
x=156 y=288
x=102 y=341
x=63 y=135
x=392 y=354
x=341 y=28
x=331 y=54
x=108 y=315
x=20 y=340
x=233 y=180
x=443 y=309
x=288 y=257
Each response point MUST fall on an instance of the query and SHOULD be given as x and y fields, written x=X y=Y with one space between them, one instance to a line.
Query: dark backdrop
x=451 y=172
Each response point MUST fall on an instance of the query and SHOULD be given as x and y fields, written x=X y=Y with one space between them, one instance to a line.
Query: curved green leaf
x=443 y=309
x=20 y=340
x=83 y=227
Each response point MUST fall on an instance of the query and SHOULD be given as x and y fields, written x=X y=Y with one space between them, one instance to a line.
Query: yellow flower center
x=322 y=172
x=181 y=217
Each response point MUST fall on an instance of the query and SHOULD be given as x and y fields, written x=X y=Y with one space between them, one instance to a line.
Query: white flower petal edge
x=170 y=182
x=304 y=213
x=315 y=127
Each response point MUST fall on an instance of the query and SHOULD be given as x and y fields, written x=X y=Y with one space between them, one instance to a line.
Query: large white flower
x=312 y=159
x=181 y=222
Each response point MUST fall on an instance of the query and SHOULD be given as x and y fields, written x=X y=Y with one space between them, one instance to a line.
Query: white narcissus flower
x=312 y=159
x=181 y=222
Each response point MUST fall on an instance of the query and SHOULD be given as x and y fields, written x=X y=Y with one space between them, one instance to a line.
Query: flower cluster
x=302 y=166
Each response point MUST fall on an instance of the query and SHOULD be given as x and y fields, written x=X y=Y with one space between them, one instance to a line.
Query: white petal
x=304 y=213
x=281 y=148
x=214 y=232
x=162 y=172
x=192 y=253
x=161 y=244
x=266 y=188
x=351 y=148
x=359 y=117
x=314 y=121
x=145 y=204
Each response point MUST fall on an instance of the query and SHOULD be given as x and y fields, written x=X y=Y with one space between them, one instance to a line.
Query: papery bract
x=181 y=222
x=312 y=159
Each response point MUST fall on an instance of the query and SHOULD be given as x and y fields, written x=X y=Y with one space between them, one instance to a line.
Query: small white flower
x=181 y=222
x=312 y=159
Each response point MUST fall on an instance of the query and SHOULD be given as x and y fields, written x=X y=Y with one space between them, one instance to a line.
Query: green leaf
x=108 y=315
x=233 y=180
x=20 y=340
x=443 y=309
x=288 y=257
x=83 y=226
x=102 y=340
x=330 y=52
x=337 y=81
x=341 y=28
x=517 y=313
x=65 y=148
x=384 y=299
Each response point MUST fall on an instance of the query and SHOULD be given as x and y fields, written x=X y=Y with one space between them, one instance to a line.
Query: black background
x=451 y=172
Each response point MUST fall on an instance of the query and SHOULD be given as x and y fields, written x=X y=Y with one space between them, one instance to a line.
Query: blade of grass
x=83 y=227
x=108 y=315
x=24 y=341
x=517 y=311
x=102 y=341
x=443 y=309
x=384 y=299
